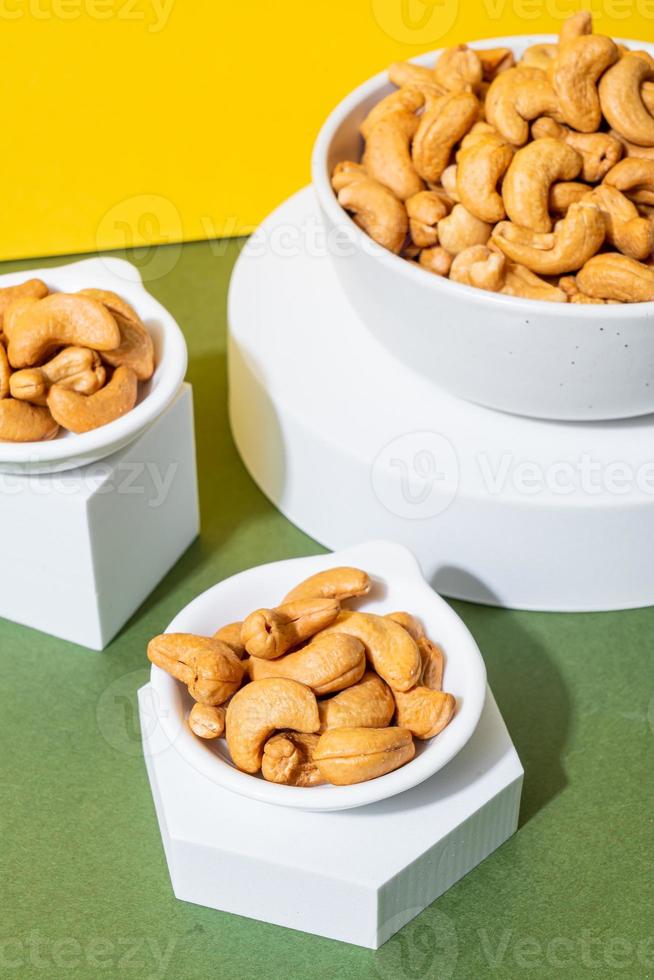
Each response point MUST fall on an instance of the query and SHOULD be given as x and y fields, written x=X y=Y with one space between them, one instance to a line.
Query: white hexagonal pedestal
x=354 y=875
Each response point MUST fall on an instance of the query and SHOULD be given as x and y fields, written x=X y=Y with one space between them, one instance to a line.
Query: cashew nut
x=353 y=755
x=5 y=372
x=23 y=422
x=599 y=151
x=539 y=56
x=425 y=210
x=433 y=661
x=231 y=635
x=515 y=98
x=486 y=269
x=335 y=583
x=346 y=172
x=449 y=193
x=58 y=320
x=494 y=61
x=612 y=276
x=575 y=73
x=210 y=670
x=632 y=149
x=622 y=102
x=425 y=713
x=136 y=349
x=459 y=69
x=520 y=281
x=435 y=260
x=389 y=648
x=576 y=26
x=329 y=663
x=262 y=707
x=565 y=193
x=367 y=704
x=634 y=176
x=387 y=156
x=531 y=173
x=402 y=105
x=376 y=209
x=74 y=368
x=407 y=75
x=288 y=759
x=574 y=240
x=32 y=289
x=481 y=165
x=625 y=228
x=460 y=229
x=207 y=720
x=269 y=633
x=441 y=127
x=81 y=413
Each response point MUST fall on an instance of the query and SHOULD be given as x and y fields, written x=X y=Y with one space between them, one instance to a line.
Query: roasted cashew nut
x=515 y=98
x=575 y=73
x=435 y=260
x=575 y=26
x=328 y=663
x=612 y=276
x=441 y=127
x=366 y=704
x=632 y=149
x=346 y=172
x=459 y=69
x=539 y=56
x=425 y=210
x=575 y=239
x=433 y=660
x=24 y=422
x=481 y=164
x=634 y=176
x=136 y=349
x=32 y=289
x=81 y=413
x=566 y=193
x=387 y=156
x=377 y=210
x=620 y=93
x=334 y=583
x=74 y=368
x=207 y=720
x=599 y=151
x=461 y=229
x=531 y=173
x=480 y=267
x=404 y=74
x=425 y=713
x=269 y=633
x=389 y=648
x=288 y=759
x=354 y=755
x=261 y=708
x=210 y=670
x=58 y=320
x=626 y=230
x=403 y=105
x=231 y=635
x=5 y=372
x=494 y=61
x=522 y=282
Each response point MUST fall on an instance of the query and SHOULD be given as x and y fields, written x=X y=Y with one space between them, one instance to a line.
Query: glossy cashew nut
x=231 y=635
x=459 y=69
x=425 y=210
x=481 y=165
x=207 y=720
x=626 y=229
x=441 y=127
x=354 y=755
x=494 y=61
x=634 y=176
x=136 y=349
x=387 y=156
x=480 y=267
x=367 y=704
x=269 y=633
x=565 y=193
x=403 y=104
x=574 y=240
x=32 y=289
x=377 y=210
x=208 y=667
x=334 y=583
x=425 y=713
x=460 y=229
x=620 y=93
x=516 y=97
x=23 y=422
x=58 y=320
x=389 y=648
x=433 y=660
x=261 y=708
x=326 y=664
x=575 y=26
x=531 y=173
x=74 y=368
x=612 y=276
x=539 y=56
x=405 y=74
x=288 y=759
x=575 y=74
x=5 y=372
x=81 y=413
x=436 y=260
x=599 y=151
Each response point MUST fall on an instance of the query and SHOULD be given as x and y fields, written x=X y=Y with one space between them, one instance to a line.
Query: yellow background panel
x=135 y=121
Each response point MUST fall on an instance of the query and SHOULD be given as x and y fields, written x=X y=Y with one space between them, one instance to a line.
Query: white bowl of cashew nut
x=490 y=213
x=363 y=683
x=88 y=361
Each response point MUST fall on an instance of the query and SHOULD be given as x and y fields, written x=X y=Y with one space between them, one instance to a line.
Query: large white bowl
x=70 y=450
x=398 y=584
x=547 y=360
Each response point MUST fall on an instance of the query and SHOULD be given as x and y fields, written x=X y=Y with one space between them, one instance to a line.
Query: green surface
x=84 y=886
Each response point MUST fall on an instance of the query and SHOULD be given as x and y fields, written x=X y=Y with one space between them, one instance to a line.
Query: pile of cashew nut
x=69 y=360
x=532 y=179
x=311 y=692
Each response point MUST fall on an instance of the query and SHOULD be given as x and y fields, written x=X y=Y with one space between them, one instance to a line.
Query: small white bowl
x=547 y=360
x=69 y=449
x=398 y=585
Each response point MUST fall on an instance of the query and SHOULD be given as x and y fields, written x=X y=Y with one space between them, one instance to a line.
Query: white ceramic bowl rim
x=108 y=273
x=341 y=219
x=383 y=559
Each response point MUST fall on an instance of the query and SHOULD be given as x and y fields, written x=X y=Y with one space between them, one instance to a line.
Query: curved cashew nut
x=494 y=61
x=24 y=422
x=425 y=713
x=335 y=583
x=367 y=704
x=621 y=99
x=632 y=149
x=575 y=239
x=460 y=229
x=404 y=74
x=539 y=56
x=5 y=372
x=354 y=755
x=288 y=759
x=630 y=233
x=389 y=648
x=565 y=193
x=634 y=176
x=377 y=210
x=58 y=320
x=520 y=281
x=425 y=210
x=32 y=289
x=231 y=635
x=327 y=664
x=262 y=707
x=403 y=104
x=441 y=127
x=515 y=98
x=612 y=276
x=480 y=267
x=387 y=156
x=74 y=368
x=435 y=260
x=569 y=286
x=210 y=670
x=433 y=660
x=531 y=173
x=81 y=413
x=136 y=349
x=459 y=69
x=448 y=191
x=269 y=633
x=207 y=720
x=575 y=73
x=599 y=151
x=346 y=172
x=575 y=26
x=481 y=165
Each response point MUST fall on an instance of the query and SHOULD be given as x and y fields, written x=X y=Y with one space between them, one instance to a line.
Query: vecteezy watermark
x=131 y=726
x=143 y=223
x=153 y=14
x=426 y=947
x=581 y=475
x=506 y=950
x=416 y=476
x=135 y=478
x=140 y=956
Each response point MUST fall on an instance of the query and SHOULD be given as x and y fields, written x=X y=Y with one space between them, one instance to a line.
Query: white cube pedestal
x=354 y=875
x=82 y=549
